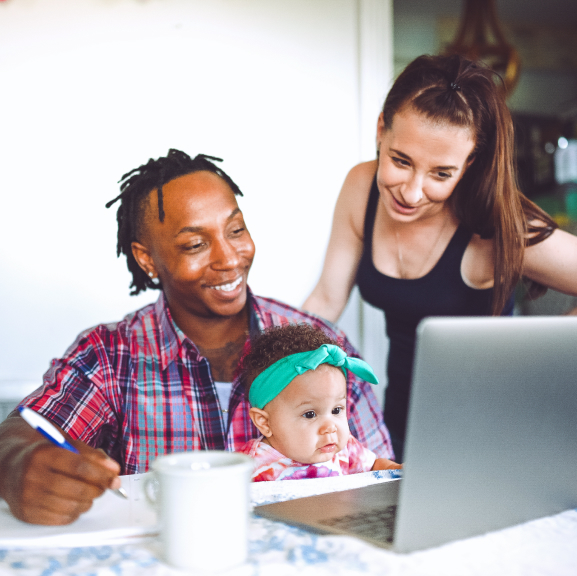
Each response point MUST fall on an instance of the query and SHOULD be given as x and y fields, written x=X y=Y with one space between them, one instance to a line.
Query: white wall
x=93 y=88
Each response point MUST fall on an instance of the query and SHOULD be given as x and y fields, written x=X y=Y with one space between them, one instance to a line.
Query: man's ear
x=260 y=420
x=144 y=259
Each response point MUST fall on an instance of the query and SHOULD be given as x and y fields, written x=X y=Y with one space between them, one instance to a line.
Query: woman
x=427 y=227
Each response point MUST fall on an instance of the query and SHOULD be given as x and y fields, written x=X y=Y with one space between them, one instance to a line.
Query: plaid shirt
x=139 y=388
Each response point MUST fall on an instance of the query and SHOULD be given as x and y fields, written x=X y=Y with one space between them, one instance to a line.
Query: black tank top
x=405 y=303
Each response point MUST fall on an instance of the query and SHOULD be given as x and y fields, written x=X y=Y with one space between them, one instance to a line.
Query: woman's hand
x=384 y=464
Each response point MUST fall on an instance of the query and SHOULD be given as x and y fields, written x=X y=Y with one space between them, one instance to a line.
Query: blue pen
x=50 y=432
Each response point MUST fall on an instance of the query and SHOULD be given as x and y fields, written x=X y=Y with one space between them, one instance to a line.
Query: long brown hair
x=487 y=200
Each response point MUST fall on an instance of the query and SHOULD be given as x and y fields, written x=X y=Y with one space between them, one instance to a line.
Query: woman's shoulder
x=360 y=177
x=352 y=202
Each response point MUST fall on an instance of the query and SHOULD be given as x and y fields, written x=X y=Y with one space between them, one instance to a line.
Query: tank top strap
x=370 y=215
x=450 y=260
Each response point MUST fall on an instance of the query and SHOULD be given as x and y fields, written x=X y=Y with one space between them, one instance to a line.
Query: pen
x=50 y=432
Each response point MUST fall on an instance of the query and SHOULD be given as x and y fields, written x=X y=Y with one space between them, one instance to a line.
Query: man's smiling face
x=202 y=251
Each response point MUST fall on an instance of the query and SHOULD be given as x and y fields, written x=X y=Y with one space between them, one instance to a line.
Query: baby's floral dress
x=272 y=465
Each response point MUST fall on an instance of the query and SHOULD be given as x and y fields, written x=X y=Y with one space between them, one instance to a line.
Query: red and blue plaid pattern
x=139 y=389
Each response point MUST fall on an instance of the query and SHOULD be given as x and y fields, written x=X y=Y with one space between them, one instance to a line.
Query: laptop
x=491 y=438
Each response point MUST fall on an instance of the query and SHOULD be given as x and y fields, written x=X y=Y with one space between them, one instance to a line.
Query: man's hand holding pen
x=50 y=485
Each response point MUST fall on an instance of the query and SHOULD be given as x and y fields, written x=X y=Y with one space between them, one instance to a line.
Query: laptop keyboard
x=377 y=525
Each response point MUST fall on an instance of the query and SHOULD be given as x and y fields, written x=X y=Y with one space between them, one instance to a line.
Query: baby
x=295 y=377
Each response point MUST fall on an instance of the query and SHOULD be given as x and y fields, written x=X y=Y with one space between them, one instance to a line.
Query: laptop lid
x=492 y=429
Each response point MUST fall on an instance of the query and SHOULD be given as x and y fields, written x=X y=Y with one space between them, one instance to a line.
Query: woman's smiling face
x=202 y=251
x=420 y=163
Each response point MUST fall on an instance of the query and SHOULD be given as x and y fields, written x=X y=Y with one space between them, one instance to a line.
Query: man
x=162 y=380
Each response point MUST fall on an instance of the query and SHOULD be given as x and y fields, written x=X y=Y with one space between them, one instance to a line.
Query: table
x=540 y=547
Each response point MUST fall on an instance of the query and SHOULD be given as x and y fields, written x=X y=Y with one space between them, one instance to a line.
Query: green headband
x=272 y=381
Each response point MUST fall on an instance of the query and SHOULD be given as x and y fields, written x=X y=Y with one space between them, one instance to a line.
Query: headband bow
x=272 y=381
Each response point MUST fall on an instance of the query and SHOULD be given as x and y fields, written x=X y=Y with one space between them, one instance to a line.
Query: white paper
x=110 y=520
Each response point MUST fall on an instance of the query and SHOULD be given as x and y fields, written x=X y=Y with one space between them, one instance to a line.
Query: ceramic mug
x=202 y=500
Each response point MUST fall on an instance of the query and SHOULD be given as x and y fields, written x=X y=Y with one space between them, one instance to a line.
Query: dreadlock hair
x=136 y=185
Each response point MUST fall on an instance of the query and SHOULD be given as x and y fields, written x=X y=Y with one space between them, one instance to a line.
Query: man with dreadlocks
x=164 y=379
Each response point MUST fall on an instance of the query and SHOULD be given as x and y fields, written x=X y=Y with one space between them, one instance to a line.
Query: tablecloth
x=540 y=547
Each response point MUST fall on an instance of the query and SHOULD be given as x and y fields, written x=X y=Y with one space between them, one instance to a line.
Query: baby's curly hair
x=276 y=343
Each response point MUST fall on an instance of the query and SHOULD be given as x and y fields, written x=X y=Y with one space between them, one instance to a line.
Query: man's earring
x=154 y=278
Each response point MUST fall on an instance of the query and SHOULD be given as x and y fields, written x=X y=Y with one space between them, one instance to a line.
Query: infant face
x=308 y=419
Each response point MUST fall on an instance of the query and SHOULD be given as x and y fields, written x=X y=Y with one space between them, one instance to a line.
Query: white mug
x=202 y=500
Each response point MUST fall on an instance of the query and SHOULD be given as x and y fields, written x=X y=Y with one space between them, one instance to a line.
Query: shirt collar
x=172 y=338
x=256 y=322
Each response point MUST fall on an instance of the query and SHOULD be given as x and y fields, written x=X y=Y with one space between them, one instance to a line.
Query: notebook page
x=110 y=520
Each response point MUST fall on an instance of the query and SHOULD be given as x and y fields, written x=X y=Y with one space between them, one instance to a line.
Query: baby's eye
x=309 y=414
x=338 y=410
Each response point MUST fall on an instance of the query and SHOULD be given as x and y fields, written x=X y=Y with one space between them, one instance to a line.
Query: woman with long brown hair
x=437 y=225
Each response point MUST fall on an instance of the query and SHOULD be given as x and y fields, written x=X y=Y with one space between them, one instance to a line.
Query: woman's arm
x=330 y=295
x=553 y=262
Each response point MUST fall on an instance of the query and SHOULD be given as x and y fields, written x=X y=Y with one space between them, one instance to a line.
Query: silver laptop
x=491 y=438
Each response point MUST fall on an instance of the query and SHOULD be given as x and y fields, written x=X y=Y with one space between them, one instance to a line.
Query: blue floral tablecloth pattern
x=539 y=547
